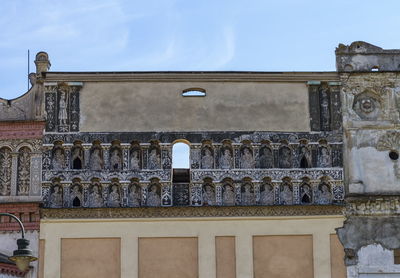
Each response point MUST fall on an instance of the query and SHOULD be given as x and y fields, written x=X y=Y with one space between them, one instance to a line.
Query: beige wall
x=337 y=258
x=90 y=257
x=237 y=106
x=207 y=230
x=225 y=256
x=168 y=257
x=283 y=256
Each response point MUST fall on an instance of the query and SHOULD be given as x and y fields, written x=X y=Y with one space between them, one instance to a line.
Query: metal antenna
x=28 y=69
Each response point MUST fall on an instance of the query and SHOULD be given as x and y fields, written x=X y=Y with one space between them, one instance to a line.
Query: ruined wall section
x=371 y=120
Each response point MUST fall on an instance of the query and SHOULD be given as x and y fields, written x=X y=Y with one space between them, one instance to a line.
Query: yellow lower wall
x=192 y=247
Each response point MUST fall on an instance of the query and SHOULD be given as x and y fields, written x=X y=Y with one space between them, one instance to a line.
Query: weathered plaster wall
x=205 y=230
x=228 y=106
x=371 y=115
x=374 y=261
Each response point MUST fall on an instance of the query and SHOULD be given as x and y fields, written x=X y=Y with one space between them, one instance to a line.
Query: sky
x=175 y=35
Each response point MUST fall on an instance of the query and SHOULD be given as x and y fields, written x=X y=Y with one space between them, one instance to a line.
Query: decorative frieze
x=162 y=212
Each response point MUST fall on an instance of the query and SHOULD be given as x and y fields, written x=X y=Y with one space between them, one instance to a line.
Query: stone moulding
x=87 y=213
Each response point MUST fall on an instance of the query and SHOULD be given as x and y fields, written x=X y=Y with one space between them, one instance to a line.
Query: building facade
x=271 y=176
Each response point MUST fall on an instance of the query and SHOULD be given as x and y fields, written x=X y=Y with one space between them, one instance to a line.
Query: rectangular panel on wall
x=283 y=256
x=338 y=268
x=90 y=257
x=41 y=258
x=225 y=256
x=170 y=257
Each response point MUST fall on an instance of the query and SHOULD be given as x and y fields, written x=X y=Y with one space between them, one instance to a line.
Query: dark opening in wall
x=396 y=253
x=394 y=155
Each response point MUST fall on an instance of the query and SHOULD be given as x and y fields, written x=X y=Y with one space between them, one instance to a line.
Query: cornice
x=186 y=76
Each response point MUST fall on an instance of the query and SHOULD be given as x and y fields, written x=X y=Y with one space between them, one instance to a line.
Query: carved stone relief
x=134 y=197
x=96 y=158
x=247 y=159
x=267 y=193
x=56 y=197
x=24 y=166
x=114 y=198
x=154 y=159
x=5 y=171
x=367 y=105
x=228 y=195
x=286 y=194
x=208 y=194
x=95 y=196
x=207 y=158
x=248 y=196
x=62 y=108
x=154 y=195
x=226 y=160
x=116 y=161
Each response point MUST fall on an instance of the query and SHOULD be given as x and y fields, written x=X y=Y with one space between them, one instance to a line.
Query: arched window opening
x=180 y=156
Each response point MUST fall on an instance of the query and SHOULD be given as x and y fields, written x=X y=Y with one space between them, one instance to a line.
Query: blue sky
x=132 y=35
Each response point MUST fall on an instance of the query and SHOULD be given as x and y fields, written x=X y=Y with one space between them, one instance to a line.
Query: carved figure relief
x=247 y=160
x=153 y=195
x=324 y=194
x=226 y=159
x=367 y=105
x=325 y=109
x=285 y=157
x=113 y=200
x=305 y=193
x=134 y=196
x=77 y=157
x=5 y=171
x=62 y=108
x=304 y=157
x=228 y=195
x=62 y=111
x=324 y=158
x=95 y=196
x=154 y=159
x=56 y=197
x=266 y=159
x=286 y=195
x=76 y=196
x=58 y=158
x=267 y=194
x=208 y=194
x=116 y=159
x=247 y=194
x=135 y=159
x=24 y=165
x=207 y=159
x=96 y=158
